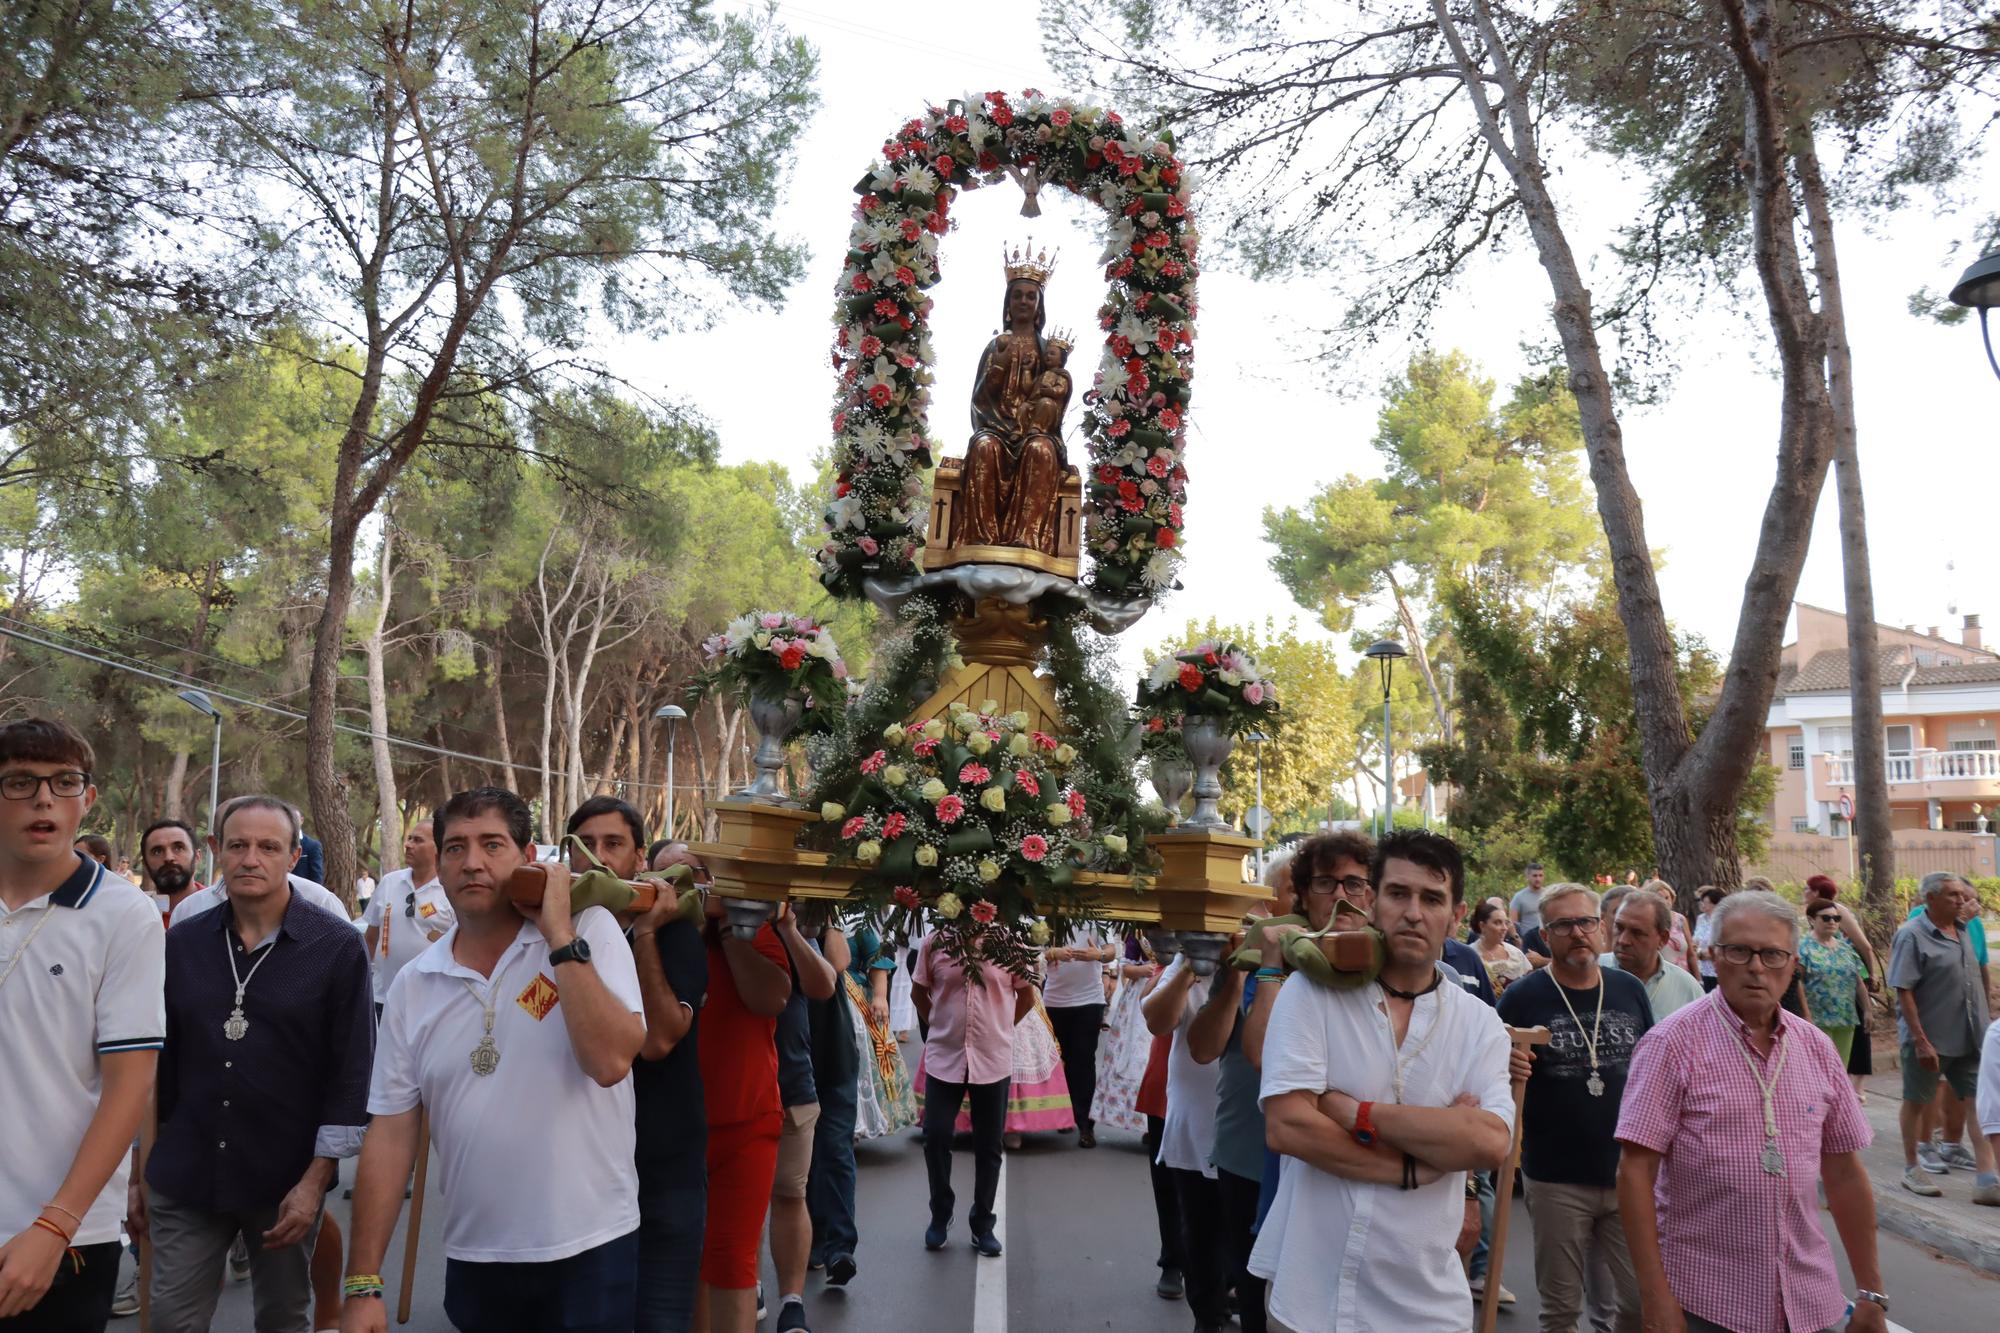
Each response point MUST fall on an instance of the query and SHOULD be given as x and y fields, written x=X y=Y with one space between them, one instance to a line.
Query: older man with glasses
x=1734 y=1112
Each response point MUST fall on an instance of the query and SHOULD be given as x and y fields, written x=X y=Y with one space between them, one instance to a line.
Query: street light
x=1257 y=738
x=672 y=715
x=1979 y=289
x=1384 y=653
x=201 y=703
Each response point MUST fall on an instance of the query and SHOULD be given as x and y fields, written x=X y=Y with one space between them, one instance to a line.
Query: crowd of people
x=625 y=1114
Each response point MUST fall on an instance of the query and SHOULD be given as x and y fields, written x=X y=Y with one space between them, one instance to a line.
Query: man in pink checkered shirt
x=1733 y=1111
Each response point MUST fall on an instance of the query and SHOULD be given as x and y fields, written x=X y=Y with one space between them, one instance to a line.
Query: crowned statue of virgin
x=1015 y=464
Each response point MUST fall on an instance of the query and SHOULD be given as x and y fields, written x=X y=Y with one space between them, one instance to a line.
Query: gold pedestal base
x=755 y=856
x=1201 y=884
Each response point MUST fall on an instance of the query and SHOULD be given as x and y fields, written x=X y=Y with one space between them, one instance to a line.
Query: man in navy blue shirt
x=264 y=1081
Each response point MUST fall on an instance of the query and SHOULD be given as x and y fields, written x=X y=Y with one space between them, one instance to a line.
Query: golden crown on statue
x=1022 y=268
x=1059 y=337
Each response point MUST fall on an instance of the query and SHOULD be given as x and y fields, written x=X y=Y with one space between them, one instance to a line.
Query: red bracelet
x=53 y=1229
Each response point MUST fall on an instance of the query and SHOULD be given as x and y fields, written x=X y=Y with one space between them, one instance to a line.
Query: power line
x=296 y=716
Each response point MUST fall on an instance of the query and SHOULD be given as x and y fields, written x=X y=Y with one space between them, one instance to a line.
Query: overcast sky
x=1268 y=429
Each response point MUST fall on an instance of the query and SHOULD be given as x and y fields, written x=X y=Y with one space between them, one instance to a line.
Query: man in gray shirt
x=1941 y=999
x=1527 y=904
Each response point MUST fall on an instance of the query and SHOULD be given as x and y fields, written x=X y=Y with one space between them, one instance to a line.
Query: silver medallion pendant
x=236 y=1026
x=1594 y=1085
x=485 y=1056
x=1772 y=1160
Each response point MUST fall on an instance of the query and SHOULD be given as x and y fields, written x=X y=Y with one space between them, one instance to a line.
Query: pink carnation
x=1034 y=847
x=853 y=827
x=1026 y=782
x=975 y=774
x=1074 y=800
x=1042 y=740
x=983 y=912
x=893 y=826
x=924 y=748
x=949 y=808
x=873 y=763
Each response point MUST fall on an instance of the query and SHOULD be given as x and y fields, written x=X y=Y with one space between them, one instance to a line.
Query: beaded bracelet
x=1270 y=974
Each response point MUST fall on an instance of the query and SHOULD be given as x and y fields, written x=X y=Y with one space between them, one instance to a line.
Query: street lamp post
x=201 y=703
x=1978 y=288
x=1384 y=653
x=673 y=715
x=1257 y=738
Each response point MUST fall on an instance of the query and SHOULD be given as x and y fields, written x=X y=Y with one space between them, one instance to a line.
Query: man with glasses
x=81 y=958
x=1941 y=1019
x=1569 y=1116
x=1735 y=1113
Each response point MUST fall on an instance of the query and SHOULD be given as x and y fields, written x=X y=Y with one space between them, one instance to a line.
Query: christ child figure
x=1041 y=412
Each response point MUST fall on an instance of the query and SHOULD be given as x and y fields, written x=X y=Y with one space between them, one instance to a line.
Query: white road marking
x=989 y=1289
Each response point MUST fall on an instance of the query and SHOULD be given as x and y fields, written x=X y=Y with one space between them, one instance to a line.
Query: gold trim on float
x=1065 y=567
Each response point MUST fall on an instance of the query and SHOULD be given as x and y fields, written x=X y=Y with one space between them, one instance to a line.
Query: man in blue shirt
x=264 y=1081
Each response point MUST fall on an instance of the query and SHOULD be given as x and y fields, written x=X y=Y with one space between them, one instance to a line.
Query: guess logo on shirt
x=540 y=997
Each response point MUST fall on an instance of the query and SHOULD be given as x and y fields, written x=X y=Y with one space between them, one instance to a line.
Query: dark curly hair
x=1320 y=851
x=1432 y=851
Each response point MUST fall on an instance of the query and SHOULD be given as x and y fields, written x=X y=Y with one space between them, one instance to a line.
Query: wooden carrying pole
x=1503 y=1189
x=416 y=1228
x=149 y=1129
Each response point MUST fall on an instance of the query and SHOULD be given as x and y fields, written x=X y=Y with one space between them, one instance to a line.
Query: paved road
x=1078 y=1227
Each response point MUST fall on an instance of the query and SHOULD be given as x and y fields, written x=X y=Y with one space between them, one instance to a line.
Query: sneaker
x=1914 y=1182
x=987 y=1244
x=792 y=1318
x=239 y=1260
x=1011 y=1140
x=126 y=1303
x=840 y=1270
x=1957 y=1154
x=1170 y=1287
x=1931 y=1160
x=934 y=1236
x=762 y=1309
x=1505 y=1297
x=1986 y=1194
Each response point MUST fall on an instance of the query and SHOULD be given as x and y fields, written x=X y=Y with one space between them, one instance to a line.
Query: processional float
x=984 y=775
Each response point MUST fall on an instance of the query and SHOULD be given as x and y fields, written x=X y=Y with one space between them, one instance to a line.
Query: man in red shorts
x=748 y=984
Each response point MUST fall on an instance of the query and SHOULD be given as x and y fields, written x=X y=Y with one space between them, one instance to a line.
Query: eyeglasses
x=23 y=786
x=1322 y=885
x=1571 y=925
x=1826 y=916
x=1741 y=954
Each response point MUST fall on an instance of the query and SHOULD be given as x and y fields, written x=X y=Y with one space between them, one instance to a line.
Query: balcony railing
x=1925 y=766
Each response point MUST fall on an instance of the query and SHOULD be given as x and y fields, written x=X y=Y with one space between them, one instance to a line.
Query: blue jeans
x=830 y=1186
x=671 y=1217
x=591 y=1292
x=1475 y=1263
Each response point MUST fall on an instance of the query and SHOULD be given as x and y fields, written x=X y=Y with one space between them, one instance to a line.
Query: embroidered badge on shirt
x=539 y=997
x=426 y=910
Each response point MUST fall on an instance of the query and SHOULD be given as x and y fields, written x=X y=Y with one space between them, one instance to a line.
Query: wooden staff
x=1503 y=1188
x=415 y=1232
x=149 y=1130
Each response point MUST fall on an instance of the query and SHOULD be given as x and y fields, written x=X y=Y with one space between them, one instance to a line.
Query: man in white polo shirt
x=518 y=1037
x=408 y=912
x=81 y=967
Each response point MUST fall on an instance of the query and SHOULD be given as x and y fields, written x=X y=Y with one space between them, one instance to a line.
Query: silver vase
x=1208 y=743
x=1171 y=779
x=775 y=716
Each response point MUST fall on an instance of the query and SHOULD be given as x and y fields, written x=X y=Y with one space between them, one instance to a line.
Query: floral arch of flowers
x=1135 y=421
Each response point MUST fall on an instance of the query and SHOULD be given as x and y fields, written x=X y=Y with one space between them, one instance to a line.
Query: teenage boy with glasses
x=81 y=962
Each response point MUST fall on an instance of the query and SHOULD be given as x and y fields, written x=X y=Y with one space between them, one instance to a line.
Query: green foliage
x=1490 y=496
x=1546 y=762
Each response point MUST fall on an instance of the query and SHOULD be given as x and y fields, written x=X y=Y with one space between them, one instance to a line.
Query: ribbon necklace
x=1400 y=1063
x=1595 y=1083
x=47 y=912
x=1772 y=1159
x=236 y=1027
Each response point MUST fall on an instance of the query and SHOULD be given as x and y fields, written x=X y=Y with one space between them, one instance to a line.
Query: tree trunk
x=175 y=794
x=389 y=814
x=500 y=724
x=1864 y=662
x=332 y=823
x=1420 y=652
x=1692 y=784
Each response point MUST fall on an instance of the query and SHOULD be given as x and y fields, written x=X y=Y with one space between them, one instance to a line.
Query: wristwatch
x=1873 y=1298
x=576 y=951
x=1364 y=1124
